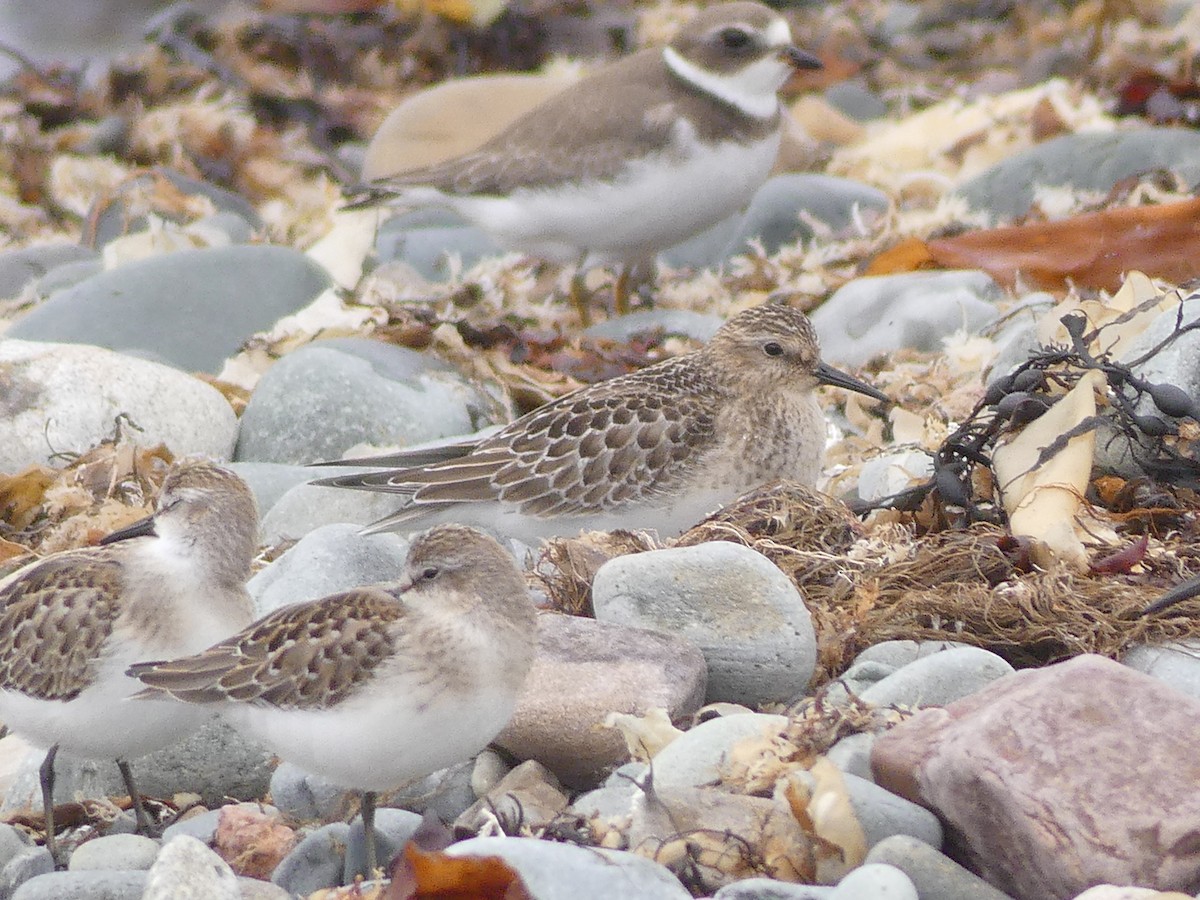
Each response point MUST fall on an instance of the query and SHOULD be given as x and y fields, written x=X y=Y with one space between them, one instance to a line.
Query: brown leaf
x=21 y=495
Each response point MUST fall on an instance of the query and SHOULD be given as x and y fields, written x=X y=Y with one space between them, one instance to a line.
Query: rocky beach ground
x=928 y=680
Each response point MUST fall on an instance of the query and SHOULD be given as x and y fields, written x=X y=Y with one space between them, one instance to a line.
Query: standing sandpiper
x=640 y=156
x=655 y=449
x=70 y=624
x=380 y=685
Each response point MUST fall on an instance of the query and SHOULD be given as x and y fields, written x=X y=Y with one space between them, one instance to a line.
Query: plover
x=656 y=449
x=380 y=685
x=640 y=156
x=70 y=624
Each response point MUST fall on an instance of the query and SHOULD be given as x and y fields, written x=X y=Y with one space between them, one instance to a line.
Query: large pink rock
x=1052 y=780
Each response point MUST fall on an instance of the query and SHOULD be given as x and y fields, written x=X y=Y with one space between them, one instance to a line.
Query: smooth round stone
x=856 y=100
x=63 y=398
x=435 y=250
x=694 y=759
x=936 y=876
x=875 y=881
x=90 y=886
x=770 y=889
x=1178 y=664
x=201 y=826
x=852 y=754
x=65 y=276
x=328 y=396
x=23 y=265
x=884 y=476
x=12 y=842
x=130 y=852
x=1018 y=340
x=698 y=326
x=883 y=814
x=123 y=211
x=880 y=314
x=190 y=309
x=217 y=762
x=900 y=653
x=1087 y=161
x=270 y=481
x=773 y=218
x=306 y=508
x=188 y=870
x=393 y=828
x=317 y=862
x=738 y=607
x=938 y=679
x=552 y=871
x=330 y=559
x=1175 y=363
x=582 y=672
x=26 y=863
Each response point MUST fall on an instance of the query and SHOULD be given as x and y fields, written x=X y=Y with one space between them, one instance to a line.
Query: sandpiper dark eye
x=735 y=38
x=429 y=573
x=771 y=348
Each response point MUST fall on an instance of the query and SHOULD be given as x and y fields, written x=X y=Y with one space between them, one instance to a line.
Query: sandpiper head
x=203 y=508
x=739 y=52
x=456 y=559
x=774 y=345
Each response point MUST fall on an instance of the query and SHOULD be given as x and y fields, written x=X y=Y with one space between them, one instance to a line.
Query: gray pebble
x=880 y=314
x=393 y=828
x=852 y=754
x=317 y=861
x=317 y=402
x=202 y=826
x=694 y=758
x=270 y=481
x=26 y=863
x=770 y=889
x=745 y=615
x=875 y=881
x=306 y=508
x=188 y=870
x=698 y=326
x=129 y=852
x=936 y=876
x=938 y=679
x=327 y=560
x=86 y=886
x=20 y=266
x=1178 y=664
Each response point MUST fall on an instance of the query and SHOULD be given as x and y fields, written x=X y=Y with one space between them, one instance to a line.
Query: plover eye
x=429 y=573
x=735 y=38
x=771 y=348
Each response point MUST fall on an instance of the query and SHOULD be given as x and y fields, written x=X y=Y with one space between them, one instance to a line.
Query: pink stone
x=1052 y=780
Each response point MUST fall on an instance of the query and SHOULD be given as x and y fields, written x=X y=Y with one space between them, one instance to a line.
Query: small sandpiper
x=70 y=624
x=640 y=156
x=379 y=685
x=656 y=449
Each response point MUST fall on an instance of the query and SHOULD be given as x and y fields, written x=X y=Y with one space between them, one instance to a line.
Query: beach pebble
x=584 y=670
x=188 y=870
x=328 y=396
x=880 y=314
x=738 y=607
x=932 y=680
x=92 y=886
x=552 y=871
x=697 y=326
x=270 y=481
x=875 y=881
x=435 y=243
x=1088 y=160
x=883 y=814
x=771 y=889
x=1087 y=748
x=188 y=309
x=327 y=560
x=67 y=398
x=22 y=864
x=306 y=508
x=527 y=797
x=936 y=876
x=1177 y=664
x=852 y=754
x=694 y=758
x=317 y=862
x=114 y=851
x=393 y=828
x=22 y=265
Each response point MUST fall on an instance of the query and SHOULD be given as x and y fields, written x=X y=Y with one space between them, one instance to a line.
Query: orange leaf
x=1092 y=250
x=436 y=876
x=907 y=256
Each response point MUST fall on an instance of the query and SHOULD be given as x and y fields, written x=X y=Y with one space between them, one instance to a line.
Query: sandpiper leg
x=368 y=818
x=139 y=810
x=621 y=291
x=579 y=296
x=46 y=776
